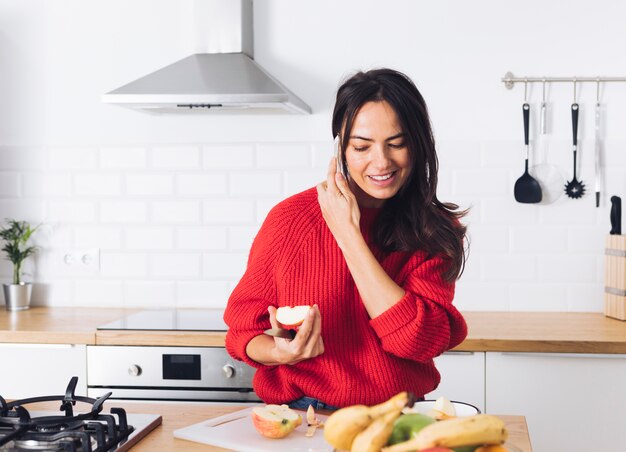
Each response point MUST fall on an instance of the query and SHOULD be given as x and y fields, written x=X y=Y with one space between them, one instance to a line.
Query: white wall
x=174 y=201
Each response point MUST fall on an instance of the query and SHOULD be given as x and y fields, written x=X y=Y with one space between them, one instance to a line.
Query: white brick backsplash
x=563 y=268
x=123 y=265
x=483 y=183
x=176 y=157
x=224 y=265
x=149 y=238
x=538 y=297
x=507 y=211
x=31 y=210
x=103 y=237
x=171 y=265
x=98 y=184
x=297 y=181
x=538 y=239
x=21 y=157
x=175 y=211
x=228 y=156
x=201 y=238
x=53 y=235
x=569 y=212
x=149 y=294
x=52 y=185
x=202 y=294
x=504 y=154
x=202 y=184
x=10 y=185
x=256 y=184
x=226 y=211
x=123 y=212
x=263 y=207
x=458 y=154
x=510 y=268
x=240 y=237
x=53 y=293
x=71 y=211
x=281 y=156
x=149 y=184
x=586 y=239
x=98 y=293
x=322 y=153
x=488 y=239
x=130 y=157
x=585 y=297
x=76 y=158
x=473 y=296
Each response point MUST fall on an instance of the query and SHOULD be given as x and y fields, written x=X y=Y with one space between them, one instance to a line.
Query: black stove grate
x=90 y=431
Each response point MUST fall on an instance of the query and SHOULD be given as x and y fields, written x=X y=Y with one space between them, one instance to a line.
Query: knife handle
x=616 y=215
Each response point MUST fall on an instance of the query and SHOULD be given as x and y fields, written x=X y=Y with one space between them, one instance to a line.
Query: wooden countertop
x=181 y=414
x=556 y=332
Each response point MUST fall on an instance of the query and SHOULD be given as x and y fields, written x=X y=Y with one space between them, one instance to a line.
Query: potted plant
x=16 y=235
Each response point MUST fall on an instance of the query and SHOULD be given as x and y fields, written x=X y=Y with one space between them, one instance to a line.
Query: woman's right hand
x=308 y=342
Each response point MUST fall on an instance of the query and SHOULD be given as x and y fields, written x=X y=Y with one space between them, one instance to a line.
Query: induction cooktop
x=171 y=320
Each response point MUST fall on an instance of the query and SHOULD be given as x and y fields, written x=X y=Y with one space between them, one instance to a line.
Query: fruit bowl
x=426 y=406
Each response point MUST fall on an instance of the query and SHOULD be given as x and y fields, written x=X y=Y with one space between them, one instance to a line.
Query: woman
x=376 y=254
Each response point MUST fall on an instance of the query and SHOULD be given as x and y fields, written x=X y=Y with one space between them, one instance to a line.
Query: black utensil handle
x=575 y=123
x=616 y=215
x=526 y=112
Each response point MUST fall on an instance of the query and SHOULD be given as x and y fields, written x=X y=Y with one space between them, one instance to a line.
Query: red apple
x=291 y=317
x=275 y=421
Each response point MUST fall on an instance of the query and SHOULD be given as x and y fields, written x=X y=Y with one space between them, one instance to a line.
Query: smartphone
x=340 y=166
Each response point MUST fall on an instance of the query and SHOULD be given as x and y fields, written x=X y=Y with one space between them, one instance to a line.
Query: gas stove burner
x=91 y=431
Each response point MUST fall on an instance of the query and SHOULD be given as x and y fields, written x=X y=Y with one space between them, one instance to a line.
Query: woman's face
x=377 y=156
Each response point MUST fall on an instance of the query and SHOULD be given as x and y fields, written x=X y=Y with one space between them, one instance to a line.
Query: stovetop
x=171 y=320
x=89 y=429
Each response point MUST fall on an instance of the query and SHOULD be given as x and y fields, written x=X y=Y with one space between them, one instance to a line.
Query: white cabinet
x=462 y=378
x=29 y=370
x=572 y=402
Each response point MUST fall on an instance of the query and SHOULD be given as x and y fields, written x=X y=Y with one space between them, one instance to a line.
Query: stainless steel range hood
x=224 y=78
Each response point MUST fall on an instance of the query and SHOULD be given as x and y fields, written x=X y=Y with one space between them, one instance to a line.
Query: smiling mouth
x=383 y=177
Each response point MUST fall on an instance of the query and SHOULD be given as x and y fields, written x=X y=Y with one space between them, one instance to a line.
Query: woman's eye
x=397 y=145
x=360 y=149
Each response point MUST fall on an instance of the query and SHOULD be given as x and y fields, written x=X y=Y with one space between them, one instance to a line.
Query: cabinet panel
x=571 y=402
x=30 y=370
x=462 y=378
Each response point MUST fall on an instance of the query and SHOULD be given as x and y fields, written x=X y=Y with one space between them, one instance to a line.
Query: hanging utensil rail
x=510 y=80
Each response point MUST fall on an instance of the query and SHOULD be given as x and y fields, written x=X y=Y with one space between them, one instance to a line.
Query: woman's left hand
x=339 y=205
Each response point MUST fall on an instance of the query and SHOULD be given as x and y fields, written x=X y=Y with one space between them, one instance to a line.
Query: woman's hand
x=308 y=342
x=339 y=205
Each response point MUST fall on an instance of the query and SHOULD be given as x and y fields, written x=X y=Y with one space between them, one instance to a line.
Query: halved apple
x=291 y=317
x=275 y=421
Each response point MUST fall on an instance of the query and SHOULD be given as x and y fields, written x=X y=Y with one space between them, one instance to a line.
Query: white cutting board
x=239 y=434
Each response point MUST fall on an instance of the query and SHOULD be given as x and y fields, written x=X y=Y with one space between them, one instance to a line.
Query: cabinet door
x=572 y=402
x=30 y=370
x=462 y=378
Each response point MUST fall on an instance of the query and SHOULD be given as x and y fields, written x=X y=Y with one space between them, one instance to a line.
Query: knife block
x=615 y=277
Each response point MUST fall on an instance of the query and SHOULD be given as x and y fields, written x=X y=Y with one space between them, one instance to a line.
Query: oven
x=168 y=373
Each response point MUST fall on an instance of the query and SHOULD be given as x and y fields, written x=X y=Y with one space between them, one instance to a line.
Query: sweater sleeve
x=424 y=323
x=246 y=312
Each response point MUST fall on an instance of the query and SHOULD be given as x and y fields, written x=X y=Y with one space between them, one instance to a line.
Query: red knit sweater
x=295 y=260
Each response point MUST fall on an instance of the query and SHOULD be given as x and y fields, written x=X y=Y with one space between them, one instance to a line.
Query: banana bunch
x=362 y=428
x=461 y=431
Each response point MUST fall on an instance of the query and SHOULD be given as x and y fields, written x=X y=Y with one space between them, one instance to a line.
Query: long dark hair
x=414 y=219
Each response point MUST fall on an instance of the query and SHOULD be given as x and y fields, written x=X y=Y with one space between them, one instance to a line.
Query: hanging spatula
x=527 y=190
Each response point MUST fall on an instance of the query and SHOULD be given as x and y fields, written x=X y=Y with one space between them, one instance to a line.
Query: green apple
x=407 y=426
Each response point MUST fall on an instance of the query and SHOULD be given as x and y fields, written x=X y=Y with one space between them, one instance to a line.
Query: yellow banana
x=461 y=431
x=345 y=424
x=375 y=436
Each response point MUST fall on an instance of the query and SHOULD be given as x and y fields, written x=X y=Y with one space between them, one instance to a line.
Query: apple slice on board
x=291 y=317
x=275 y=421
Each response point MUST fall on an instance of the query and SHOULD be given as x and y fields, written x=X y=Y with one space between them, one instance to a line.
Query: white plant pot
x=17 y=296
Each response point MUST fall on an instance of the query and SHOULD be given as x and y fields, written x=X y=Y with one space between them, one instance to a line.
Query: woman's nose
x=380 y=156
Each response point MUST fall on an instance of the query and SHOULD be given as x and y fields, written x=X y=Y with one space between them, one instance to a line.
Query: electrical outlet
x=78 y=261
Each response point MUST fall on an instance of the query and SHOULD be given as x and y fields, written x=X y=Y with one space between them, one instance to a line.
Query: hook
x=543 y=91
x=597 y=90
x=574 y=89
x=525 y=90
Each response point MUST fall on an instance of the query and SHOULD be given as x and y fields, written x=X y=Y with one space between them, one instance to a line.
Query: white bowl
x=424 y=406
